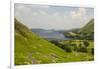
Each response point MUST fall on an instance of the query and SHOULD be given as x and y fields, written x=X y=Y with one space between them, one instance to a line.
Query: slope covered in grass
x=88 y=28
x=31 y=49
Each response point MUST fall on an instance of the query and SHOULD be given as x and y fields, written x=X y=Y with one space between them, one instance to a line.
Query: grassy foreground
x=31 y=49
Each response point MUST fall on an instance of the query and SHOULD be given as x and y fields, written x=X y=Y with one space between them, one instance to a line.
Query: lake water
x=51 y=35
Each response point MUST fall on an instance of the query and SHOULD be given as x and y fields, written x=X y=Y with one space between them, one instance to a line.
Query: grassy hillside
x=31 y=49
x=89 y=27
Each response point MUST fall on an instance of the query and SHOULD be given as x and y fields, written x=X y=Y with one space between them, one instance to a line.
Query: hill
x=89 y=27
x=32 y=49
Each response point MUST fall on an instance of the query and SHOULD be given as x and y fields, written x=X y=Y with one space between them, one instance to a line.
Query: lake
x=50 y=34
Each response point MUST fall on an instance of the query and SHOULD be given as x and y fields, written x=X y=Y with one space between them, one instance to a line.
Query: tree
x=86 y=43
x=92 y=51
x=82 y=49
x=68 y=49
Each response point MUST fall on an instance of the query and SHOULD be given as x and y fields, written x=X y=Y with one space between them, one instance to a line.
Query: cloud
x=45 y=6
x=21 y=9
x=80 y=17
x=79 y=14
x=82 y=11
x=19 y=6
x=34 y=13
x=56 y=14
x=46 y=17
x=43 y=13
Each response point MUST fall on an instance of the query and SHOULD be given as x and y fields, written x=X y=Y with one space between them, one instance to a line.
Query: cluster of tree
x=88 y=36
x=65 y=47
x=69 y=47
x=79 y=35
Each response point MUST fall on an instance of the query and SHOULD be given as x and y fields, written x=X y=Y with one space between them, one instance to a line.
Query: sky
x=52 y=17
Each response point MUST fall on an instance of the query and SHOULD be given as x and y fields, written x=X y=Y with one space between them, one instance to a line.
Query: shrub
x=73 y=44
x=75 y=48
x=55 y=42
x=92 y=51
x=82 y=49
x=68 y=49
x=86 y=43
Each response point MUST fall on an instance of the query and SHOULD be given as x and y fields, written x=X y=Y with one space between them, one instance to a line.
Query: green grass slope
x=31 y=49
x=88 y=28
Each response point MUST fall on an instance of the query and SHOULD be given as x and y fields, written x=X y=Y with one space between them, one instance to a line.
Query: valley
x=39 y=46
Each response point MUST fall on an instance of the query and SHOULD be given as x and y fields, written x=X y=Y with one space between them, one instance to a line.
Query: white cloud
x=79 y=14
x=34 y=13
x=55 y=14
x=82 y=10
x=20 y=6
x=79 y=17
x=23 y=8
x=43 y=12
x=17 y=14
x=38 y=16
x=45 y=6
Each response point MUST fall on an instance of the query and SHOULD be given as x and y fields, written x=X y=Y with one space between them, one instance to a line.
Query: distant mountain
x=32 y=49
x=88 y=28
x=37 y=30
x=50 y=34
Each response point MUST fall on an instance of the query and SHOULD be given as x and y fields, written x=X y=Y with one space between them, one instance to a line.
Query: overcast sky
x=53 y=17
